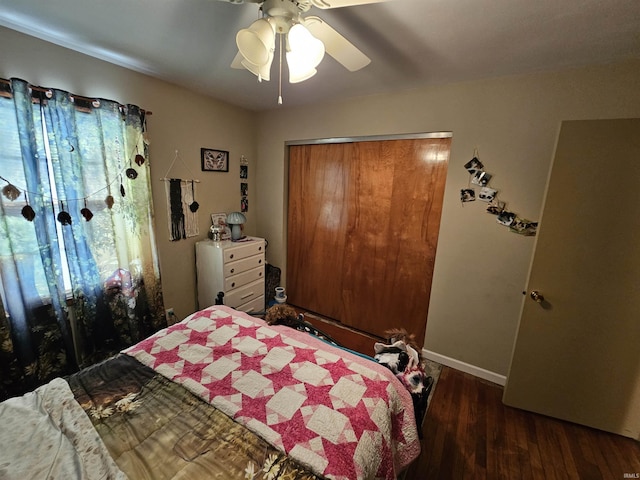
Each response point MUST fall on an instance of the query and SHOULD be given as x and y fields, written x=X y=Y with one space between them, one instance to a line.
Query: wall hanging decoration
x=478 y=176
x=214 y=160
x=523 y=226
x=487 y=194
x=244 y=186
x=244 y=201
x=244 y=167
x=467 y=195
x=182 y=207
x=481 y=178
x=495 y=207
x=191 y=200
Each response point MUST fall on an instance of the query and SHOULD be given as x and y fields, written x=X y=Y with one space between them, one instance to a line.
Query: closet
x=362 y=229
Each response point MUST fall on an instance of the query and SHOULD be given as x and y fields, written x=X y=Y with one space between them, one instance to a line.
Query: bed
x=219 y=395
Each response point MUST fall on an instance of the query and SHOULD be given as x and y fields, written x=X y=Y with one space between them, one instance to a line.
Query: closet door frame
x=350 y=140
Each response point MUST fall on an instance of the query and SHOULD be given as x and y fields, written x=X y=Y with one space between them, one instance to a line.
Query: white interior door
x=577 y=353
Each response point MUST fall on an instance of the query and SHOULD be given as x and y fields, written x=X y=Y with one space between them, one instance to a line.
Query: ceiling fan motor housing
x=285 y=13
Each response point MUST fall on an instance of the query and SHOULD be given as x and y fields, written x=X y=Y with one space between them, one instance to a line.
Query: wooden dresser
x=234 y=268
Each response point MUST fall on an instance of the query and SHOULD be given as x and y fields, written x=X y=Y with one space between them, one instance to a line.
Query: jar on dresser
x=234 y=268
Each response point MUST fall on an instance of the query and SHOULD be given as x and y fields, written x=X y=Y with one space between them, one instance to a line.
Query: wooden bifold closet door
x=363 y=221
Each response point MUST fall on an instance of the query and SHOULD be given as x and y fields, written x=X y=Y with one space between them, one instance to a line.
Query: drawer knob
x=233 y=270
x=259 y=261
x=231 y=256
x=233 y=284
x=260 y=274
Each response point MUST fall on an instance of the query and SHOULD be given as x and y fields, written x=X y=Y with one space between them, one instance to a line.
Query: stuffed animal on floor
x=281 y=314
x=401 y=355
x=400 y=351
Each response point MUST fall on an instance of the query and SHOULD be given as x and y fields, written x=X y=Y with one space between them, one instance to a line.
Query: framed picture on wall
x=214 y=160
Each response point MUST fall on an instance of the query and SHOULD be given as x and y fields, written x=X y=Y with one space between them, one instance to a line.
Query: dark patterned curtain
x=79 y=275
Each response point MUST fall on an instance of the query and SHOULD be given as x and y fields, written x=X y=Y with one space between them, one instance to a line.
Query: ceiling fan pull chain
x=280 y=75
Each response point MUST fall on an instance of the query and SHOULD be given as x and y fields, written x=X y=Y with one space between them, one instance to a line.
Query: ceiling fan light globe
x=302 y=42
x=302 y=63
x=263 y=72
x=300 y=69
x=257 y=42
x=297 y=77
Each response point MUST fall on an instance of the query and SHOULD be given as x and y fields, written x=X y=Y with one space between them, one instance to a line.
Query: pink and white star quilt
x=342 y=415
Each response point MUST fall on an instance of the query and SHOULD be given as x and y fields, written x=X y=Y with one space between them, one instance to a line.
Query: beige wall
x=181 y=120
x=481 y=268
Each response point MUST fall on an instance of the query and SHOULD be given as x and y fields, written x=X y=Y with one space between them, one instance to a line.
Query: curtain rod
x=45 y=90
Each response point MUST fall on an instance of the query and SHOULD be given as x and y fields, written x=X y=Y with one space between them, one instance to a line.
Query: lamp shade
x=257 y=42
x=304 y=53
x=235 y=219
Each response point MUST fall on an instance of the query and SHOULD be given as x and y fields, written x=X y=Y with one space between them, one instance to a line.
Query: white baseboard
x=465 y=367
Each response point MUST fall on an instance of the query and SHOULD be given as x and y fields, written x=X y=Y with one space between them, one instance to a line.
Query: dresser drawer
x=235 y=281
x=239 y=296
x=254 y=306
x=243 y=250
x=239 y=266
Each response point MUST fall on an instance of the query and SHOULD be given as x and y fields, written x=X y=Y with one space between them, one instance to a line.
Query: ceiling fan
x=307 y=39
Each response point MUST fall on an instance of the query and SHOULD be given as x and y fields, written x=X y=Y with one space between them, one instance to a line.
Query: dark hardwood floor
x=470 y=434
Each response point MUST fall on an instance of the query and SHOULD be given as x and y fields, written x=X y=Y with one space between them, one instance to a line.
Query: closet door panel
x=373 y=271
x=417 y=207
x=402 y=184
x=368 y=266
x=319 y=177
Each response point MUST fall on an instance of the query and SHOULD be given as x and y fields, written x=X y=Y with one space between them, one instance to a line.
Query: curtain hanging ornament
x=27 y=210
x=11 y=192
x=139 y=159
x=131 y=172
x=28 y=213
x=122 y=192
x=85 y=212
x=63 y=217
x=109 y=201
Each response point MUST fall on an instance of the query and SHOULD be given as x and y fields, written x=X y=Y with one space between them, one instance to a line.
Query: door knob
x=537 y=296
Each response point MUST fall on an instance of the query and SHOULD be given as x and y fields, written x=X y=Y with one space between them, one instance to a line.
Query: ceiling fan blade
x=342 y=3
x=336 y=45
x=243 y=1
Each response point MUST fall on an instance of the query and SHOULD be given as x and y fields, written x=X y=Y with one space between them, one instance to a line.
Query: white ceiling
x=410 y=42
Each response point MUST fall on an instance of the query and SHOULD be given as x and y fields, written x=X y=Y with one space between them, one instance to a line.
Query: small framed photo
x=474 y=165
x=487 y=194
x=214 y=160
x=467 y=195
x=220 y=220
x=481 y=178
